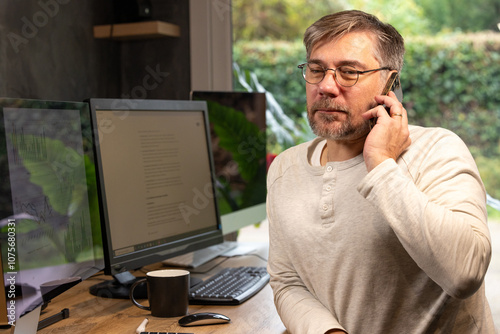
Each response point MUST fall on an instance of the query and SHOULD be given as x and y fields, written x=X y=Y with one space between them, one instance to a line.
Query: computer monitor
x=49 y=212
x=156 y=184
x=238 y=131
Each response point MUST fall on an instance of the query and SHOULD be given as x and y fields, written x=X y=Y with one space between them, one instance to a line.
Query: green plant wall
x=450 y=81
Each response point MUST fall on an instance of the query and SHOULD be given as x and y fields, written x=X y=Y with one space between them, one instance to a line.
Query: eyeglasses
x=345 y=75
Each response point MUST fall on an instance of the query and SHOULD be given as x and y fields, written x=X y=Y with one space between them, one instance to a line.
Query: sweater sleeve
x=299 y=310
x=434 y=200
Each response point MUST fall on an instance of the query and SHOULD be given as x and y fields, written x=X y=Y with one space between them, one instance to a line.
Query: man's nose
x=329 y=84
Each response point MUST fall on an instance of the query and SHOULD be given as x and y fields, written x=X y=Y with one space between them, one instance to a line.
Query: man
x=375 y=226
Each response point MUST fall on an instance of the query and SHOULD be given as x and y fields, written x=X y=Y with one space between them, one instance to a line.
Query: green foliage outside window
x=451 y=81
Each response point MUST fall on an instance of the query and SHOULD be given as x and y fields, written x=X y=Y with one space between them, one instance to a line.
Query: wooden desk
x=90 y=314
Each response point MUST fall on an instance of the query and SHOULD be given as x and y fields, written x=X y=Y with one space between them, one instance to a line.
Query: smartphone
x=391 y=84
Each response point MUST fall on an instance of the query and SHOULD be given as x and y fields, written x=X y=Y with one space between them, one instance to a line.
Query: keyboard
x=230 y=286
x=202 y=256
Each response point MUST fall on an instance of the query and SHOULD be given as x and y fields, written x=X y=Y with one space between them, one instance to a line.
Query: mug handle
x=131 y=295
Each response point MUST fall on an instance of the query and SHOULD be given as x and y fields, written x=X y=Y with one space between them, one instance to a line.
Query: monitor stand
x=30 y=322
x=119 y=287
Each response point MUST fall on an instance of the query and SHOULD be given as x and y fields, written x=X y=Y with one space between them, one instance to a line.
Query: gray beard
x=323 y=126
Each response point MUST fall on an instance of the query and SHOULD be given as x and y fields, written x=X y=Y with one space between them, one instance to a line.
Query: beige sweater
x=403 y=249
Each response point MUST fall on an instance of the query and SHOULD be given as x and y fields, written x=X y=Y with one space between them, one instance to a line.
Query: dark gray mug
x=167 y=292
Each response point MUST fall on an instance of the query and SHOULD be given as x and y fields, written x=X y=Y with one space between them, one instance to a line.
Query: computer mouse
x=204 y=318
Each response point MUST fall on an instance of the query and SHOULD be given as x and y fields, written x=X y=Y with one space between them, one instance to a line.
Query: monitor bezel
x=118 y=264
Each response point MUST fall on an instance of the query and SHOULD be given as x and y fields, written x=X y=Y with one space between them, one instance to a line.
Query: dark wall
x=168 y=58
x=47 y=51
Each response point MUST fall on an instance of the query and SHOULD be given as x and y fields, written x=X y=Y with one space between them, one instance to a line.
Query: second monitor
x=156 y=180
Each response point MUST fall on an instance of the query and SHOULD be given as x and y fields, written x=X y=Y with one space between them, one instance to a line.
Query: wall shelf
x=137 y=30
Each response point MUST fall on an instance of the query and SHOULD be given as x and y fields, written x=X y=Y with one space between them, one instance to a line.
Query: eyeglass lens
x=344 y=75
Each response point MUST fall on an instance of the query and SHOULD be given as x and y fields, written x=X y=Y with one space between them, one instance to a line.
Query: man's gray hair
x=389 y=51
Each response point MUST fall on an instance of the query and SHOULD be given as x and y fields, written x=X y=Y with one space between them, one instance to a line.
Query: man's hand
x=390 y=136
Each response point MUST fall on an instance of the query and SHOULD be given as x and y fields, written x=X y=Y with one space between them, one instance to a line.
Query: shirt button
x=328 y=188
x=325 y=207
x=329 y=168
